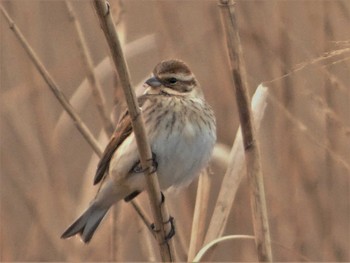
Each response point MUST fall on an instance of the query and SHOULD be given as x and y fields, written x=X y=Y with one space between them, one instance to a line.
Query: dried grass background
x=47 y=167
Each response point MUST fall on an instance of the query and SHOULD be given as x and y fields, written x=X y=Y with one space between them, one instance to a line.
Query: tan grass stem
x=251 y=147
x=81 y=126
x=91 y=76
x=84 y=130
x=159 y=209
x=235 y=171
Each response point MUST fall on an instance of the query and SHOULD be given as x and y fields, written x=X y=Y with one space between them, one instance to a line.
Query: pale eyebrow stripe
x=180 y=76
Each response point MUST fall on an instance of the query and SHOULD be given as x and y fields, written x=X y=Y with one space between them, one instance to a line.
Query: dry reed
x=53 y=86
x=91 y=76
x=308 y=186
x=251 y=147
x=159 y=209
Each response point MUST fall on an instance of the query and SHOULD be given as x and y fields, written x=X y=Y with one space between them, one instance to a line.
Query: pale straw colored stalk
x=159 y=209
x=251 y=147
x=53 y=86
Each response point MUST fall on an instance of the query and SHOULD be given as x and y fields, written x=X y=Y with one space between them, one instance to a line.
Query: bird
x=181 y=129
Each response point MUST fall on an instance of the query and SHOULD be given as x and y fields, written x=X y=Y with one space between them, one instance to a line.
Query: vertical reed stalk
x=234 y=173
x=159 y=209
x=252 y=155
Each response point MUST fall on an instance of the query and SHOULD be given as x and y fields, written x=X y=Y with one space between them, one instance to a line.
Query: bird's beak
x=153 y=82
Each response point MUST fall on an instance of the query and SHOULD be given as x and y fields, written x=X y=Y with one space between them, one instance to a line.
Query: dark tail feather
x=86 y=224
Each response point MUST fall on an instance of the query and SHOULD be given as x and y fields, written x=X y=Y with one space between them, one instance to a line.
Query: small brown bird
x=181 y=129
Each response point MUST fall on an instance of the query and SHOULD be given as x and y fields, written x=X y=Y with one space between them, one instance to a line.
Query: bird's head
x=174 y=78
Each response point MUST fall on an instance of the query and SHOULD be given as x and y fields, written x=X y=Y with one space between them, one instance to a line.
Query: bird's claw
x=154 y=163
x=137 y=168
x=171 y=232
x=172 y=229
x=162 y=200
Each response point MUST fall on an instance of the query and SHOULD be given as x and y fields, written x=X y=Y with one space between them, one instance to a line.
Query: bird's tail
x=87 y=223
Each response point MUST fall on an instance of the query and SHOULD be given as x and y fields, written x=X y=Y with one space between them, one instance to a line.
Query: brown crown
x=171 y=66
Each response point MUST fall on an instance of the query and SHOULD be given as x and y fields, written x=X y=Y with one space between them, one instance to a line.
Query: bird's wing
x=123 y=130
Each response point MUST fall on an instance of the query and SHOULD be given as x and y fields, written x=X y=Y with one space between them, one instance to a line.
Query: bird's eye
x=172 y=80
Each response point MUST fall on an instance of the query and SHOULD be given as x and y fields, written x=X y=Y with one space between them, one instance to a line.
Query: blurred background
x=47 y=167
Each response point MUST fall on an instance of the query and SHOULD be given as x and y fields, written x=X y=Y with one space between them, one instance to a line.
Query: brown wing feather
x=123 y=130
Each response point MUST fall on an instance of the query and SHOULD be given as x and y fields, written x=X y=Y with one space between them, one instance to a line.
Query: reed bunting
x=181 y=129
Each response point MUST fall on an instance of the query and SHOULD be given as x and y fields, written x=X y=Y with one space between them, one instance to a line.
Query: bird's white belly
x=181 y=155
x=182 y=145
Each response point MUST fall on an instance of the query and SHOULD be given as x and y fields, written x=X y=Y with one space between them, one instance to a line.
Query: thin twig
x=28 y=202
x=91 y=76
x=252 y=154
x=53 y=86
x=83 y=129
x=104 y=72
x=160 y=213
x=326 y=59
x=100 y=103
x=142 y=214
x=303 y=128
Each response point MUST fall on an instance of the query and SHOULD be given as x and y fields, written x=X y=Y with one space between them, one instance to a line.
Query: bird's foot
x=170 y=221
x=154 y=163
x=171 y=232
x=137 y=168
